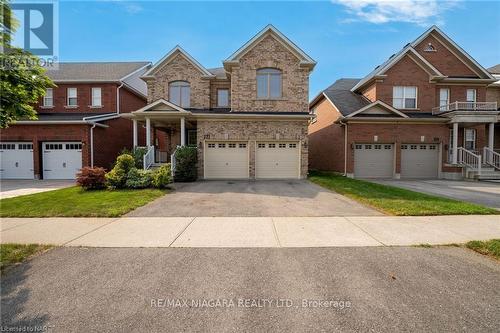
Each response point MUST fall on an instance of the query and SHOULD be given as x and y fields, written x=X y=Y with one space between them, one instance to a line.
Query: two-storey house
x=78 y=123
x=248 y=119
x=422 y=113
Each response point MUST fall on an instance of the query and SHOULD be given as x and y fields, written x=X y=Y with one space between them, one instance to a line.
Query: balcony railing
x=465 y=106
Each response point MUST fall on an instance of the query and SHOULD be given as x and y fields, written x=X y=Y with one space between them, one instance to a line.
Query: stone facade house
x=429 y=111
x=248 y=119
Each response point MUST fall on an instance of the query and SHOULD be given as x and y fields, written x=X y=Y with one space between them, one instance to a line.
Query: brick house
x=248 y=119
x=429 y=111
x=78 y=123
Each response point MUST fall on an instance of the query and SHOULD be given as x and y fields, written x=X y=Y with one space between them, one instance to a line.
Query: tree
x=22 y=80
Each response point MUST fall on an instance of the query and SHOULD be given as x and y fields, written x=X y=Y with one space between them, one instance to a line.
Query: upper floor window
x=72 y=99
x=404 y=97
x=268 y=83
x=222 y=97
x=96 y=97
x=471 y=95
x=444 y=96
x=48 y=98
x=179 y=93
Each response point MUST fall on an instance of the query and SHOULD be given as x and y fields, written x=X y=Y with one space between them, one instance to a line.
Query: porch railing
x=469 y=159
x=161 y=156
x=465 y=106
x=173 y=161
x=491 y=157
x=149 y=158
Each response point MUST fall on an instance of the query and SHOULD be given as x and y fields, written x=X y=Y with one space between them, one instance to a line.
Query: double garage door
x=60 y=160
x=377 y=160
x=225 y=160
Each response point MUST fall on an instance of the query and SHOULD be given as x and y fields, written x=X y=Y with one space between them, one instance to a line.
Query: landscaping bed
x=395 y=201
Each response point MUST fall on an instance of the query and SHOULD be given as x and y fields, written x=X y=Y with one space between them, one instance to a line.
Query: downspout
x=345 y=146
x=92 y=145
x=118 y=99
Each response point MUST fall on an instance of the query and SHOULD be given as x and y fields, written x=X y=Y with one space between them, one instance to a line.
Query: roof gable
x=171 y=55
x=161 y=105
x=378 y=108
x=270 y=30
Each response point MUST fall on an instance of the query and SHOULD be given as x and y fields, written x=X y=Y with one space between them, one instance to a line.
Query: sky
x=347 y=38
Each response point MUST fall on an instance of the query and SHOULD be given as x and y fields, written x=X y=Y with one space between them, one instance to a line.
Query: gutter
x=92 y=145
x=118 y=98
x=345 y=144
x=56 y=122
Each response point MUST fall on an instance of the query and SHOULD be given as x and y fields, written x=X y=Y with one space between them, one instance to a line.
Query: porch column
x=183 y=131
x=134 y=131
x=491 y=135
x=148 y=132
x=455 y=143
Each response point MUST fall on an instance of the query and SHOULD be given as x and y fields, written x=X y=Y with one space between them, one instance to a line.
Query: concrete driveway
x=253 y=198
x=390 y=289
x=482 y=193
x=10 y=188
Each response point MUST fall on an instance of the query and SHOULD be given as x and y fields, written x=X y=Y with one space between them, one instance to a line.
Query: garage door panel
x=226 y=160
x=419 y=160
x=16 y=160
x=277 y=160
x=61 y=160
x=374 y=160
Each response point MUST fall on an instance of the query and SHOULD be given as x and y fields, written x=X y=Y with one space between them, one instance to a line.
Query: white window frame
x=473 y=131
x=474 y=93
x=69 y=97
x=404 y=88
x=48 y=101
x=219 y=99
x=94 y=97
x=441 y=100
x=183 y=87
x=267 y=73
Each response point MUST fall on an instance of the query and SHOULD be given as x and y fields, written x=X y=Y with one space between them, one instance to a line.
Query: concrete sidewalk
x=250 y=231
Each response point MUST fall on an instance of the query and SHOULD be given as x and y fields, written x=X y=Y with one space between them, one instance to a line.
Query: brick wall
x=270 y=53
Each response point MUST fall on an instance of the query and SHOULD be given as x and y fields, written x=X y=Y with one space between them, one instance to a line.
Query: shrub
x=91 y=178
x=137 y=178
x=117 y=177
x=162 y=176
x=138 y=154
x=186 y=164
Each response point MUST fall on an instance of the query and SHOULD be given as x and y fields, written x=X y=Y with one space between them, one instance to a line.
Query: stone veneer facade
x=253 y=131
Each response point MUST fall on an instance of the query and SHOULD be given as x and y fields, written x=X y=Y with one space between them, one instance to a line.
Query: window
x=444 y=97
x=368 y=146
x=74 y=146
x=261 y=145
x=48 y=99
x=222 y=145
x=470 y=139
x=96 y=97
x=243 y=145
x=378 y=146
x=292 y=145
x=359 y=147
x=232 y=145
x=179 y=93
x=404 y=147
x=192 y=135
x=387 y=146
x=413 y=147
x=471 y=95
x=211 y=145
x=272 y=145
x=404 y=97
x=72 y=100
x=25 y=146
x=53 y=146
x=7 y=146
x=222 y=97
x=423 y=147
x=282 y=145
x=268 y=83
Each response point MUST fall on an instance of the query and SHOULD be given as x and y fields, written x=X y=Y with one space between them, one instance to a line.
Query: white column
x=491 y=135
x=183 y=131
x=134 y=131
x=148 y=132
x=455 y=143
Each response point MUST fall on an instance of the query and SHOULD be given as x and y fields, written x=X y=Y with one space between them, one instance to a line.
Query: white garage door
x=16 y=160
x=277 y=160
x=226 y=159
x=373 y=160
x=419 y=160
x=61 y=160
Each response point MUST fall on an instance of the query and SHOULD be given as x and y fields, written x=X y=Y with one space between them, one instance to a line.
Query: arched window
x=268 y=83
x=179 y=93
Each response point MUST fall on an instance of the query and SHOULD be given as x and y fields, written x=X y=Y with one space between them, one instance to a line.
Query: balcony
x=465 y=106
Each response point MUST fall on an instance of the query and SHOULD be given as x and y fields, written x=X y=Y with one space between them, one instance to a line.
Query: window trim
x=218 y=100
x=404 y=97
x=68 y=97
x=180 y=86
x=467 y=94
x=474 y=139
x=261 y=72
x=447 y=96
x=44 y=101
x=92 y=97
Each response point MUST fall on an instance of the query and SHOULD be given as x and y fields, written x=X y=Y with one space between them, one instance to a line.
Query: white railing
x=161 y=156
x=173 y=161
x=149 y=158
x=491 y=157
x=465 y=106
x=469 y=159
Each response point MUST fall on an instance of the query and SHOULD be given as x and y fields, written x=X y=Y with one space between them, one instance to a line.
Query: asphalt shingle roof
x=344 y=99
x=98 y=71
x=219 y=72
x=495 y=69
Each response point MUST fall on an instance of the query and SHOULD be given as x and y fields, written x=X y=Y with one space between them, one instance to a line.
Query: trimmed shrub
x=137 y=178
x=91 y=178
x=138 y=155
x=186 y=164
x=117 y=177
x=162 y=176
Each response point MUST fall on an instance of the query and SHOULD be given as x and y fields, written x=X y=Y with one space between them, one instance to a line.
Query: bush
x=162 y=176
x=186 y=164
x=138 y=154
x=137 y=178
x=91 y=178
x=117 y=177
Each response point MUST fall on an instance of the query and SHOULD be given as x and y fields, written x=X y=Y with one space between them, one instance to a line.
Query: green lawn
x=14 y=253
x=395 y=201
x=491 y=247
x=74 y=202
